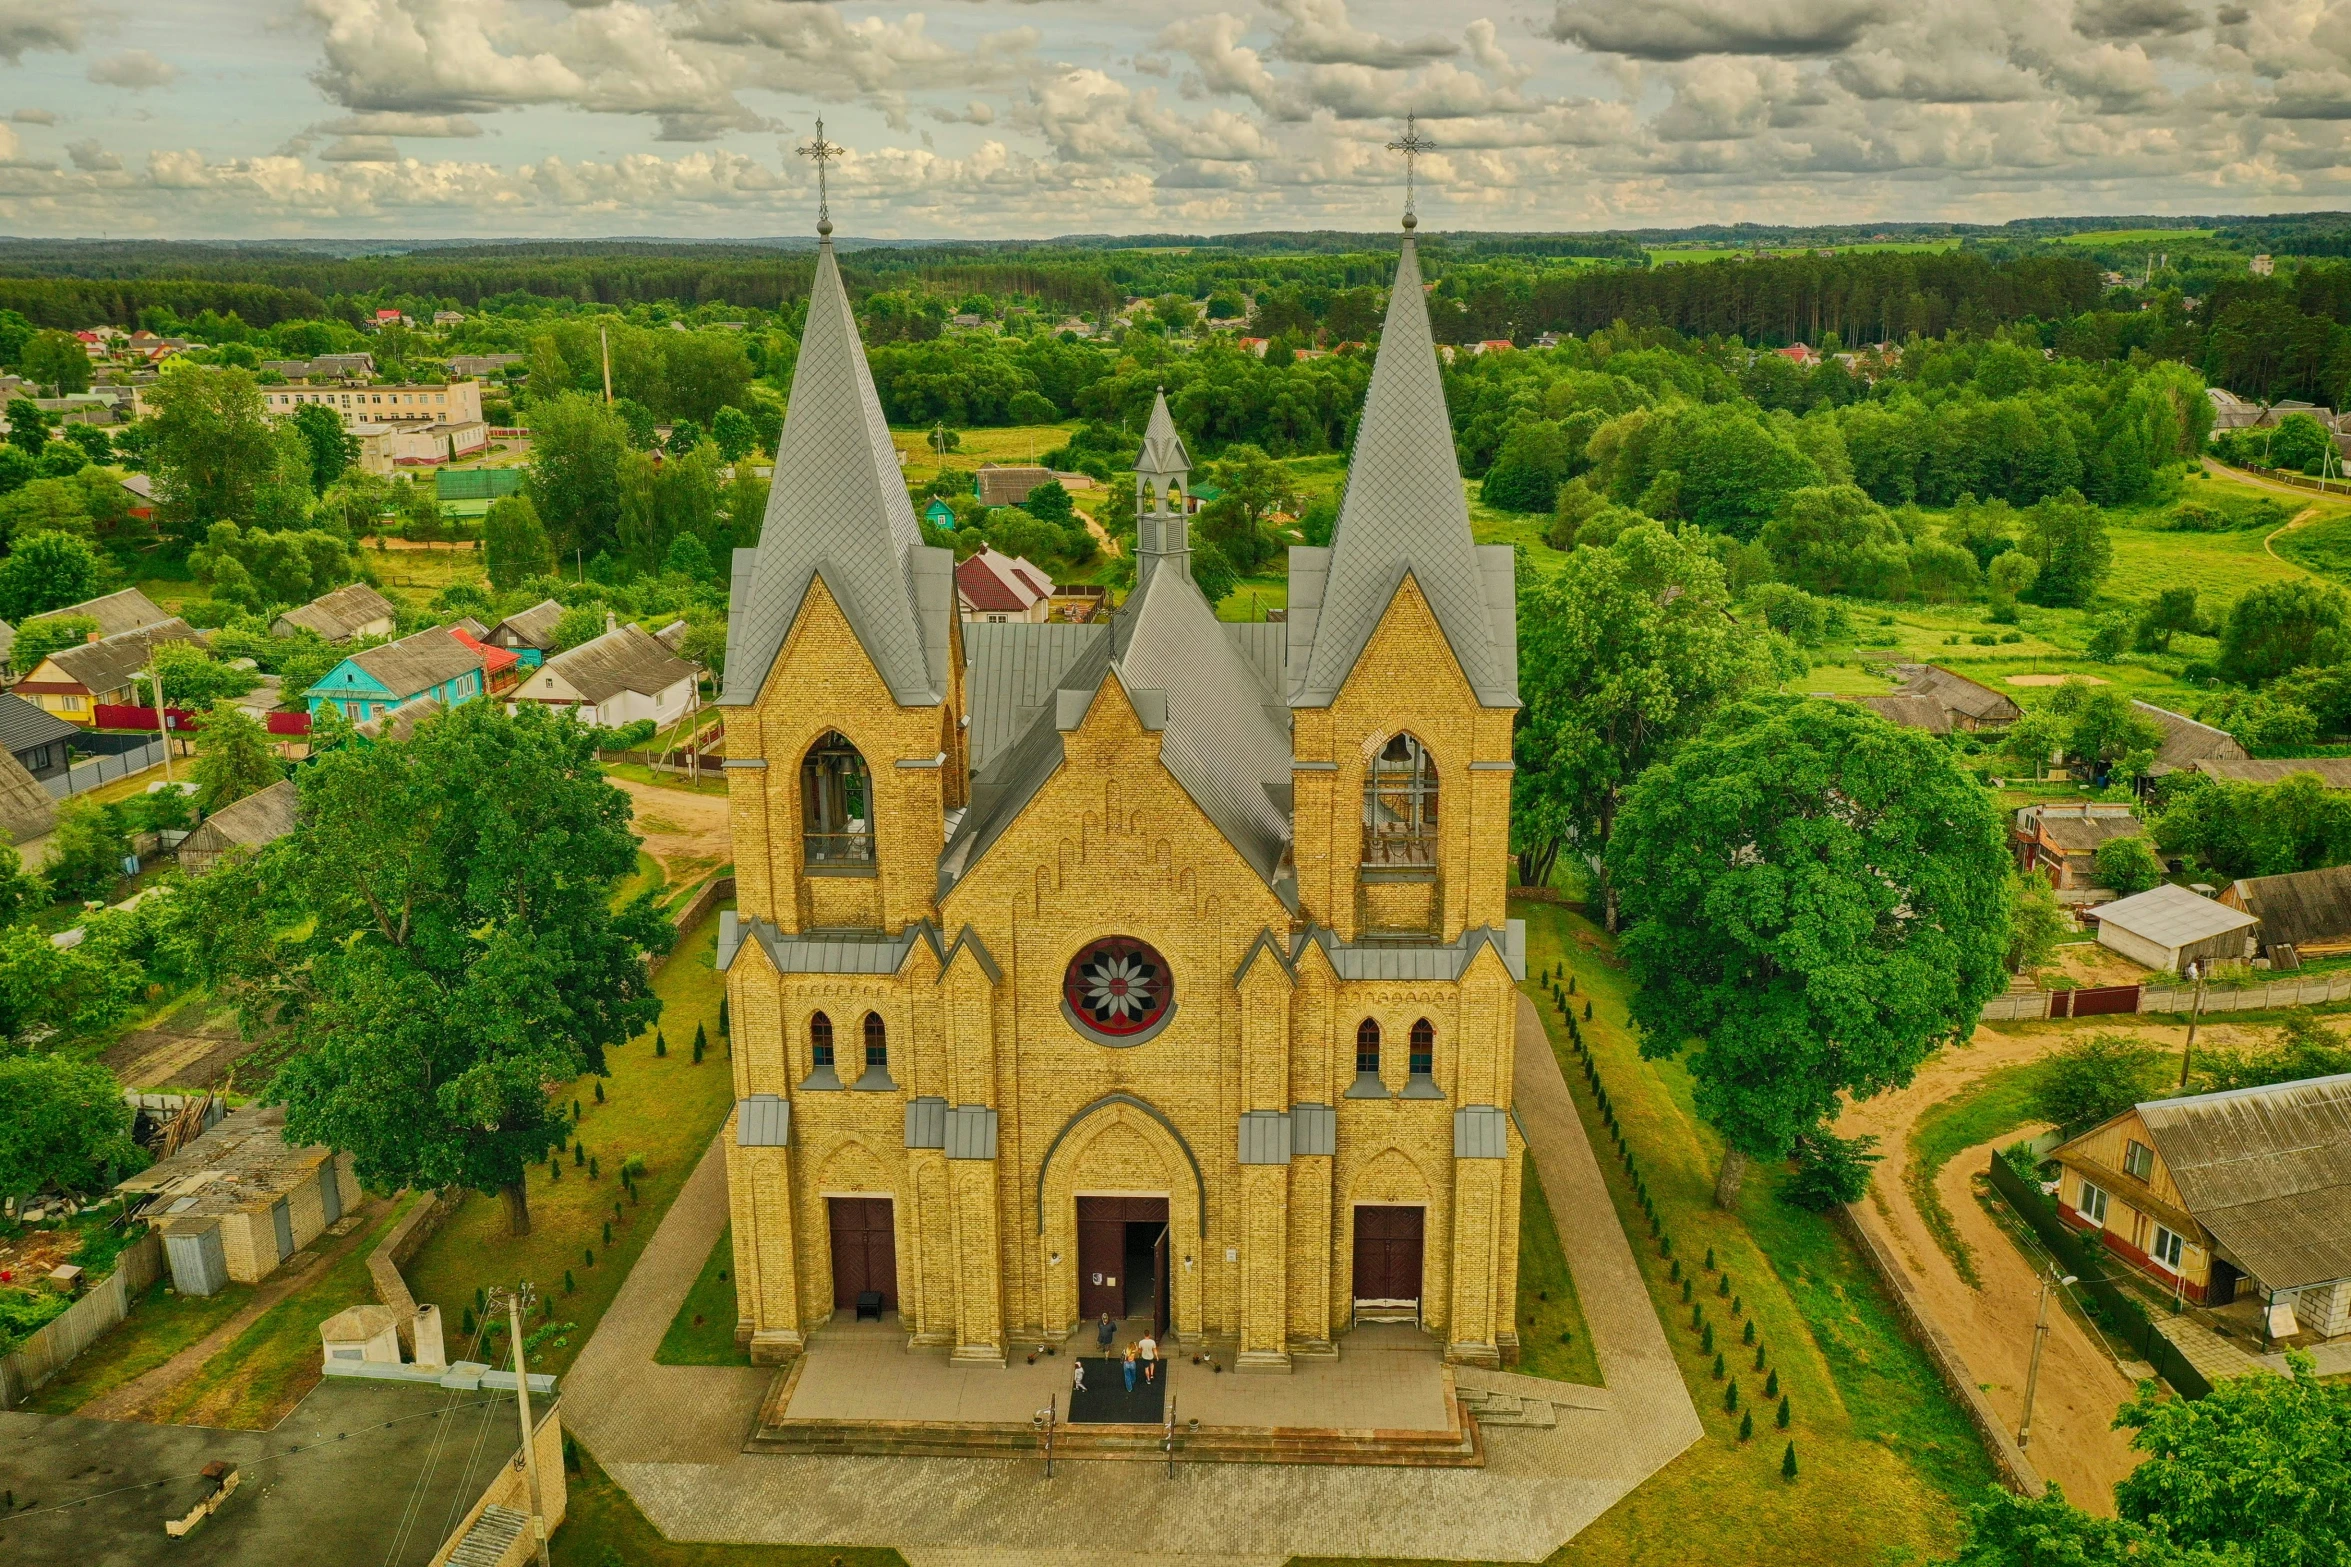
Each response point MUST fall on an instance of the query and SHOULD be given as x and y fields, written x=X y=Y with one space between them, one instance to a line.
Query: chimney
x=611 y=623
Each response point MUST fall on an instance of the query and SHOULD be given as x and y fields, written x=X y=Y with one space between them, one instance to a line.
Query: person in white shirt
x=1148 y=1350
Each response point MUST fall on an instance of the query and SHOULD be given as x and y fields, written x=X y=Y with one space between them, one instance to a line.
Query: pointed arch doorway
x=1123 y=1260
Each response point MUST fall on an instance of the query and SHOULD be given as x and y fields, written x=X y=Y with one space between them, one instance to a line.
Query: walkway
x=671 y=1434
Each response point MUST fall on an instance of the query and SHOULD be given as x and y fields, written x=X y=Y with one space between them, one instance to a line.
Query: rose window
x=1118 y=991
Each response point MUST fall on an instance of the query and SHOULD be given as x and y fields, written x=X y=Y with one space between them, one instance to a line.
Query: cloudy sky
x=247 y=118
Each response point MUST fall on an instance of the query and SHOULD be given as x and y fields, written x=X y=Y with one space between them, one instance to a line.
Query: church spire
x=1162 y=475
x=1403 y=511
x=838 y=508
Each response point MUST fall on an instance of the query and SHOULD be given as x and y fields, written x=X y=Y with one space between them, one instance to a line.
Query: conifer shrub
x=701 y=1043
x=1771 y=1389
x=465 y=1324
x=1788 y=1464
x=660 y=1043
x=1775 y=1376
x=599 y=1090
x=1783 y=1417
x=570 y=1287
x=1730 y=1398
x=588 y=1257
x=1710 y=1259
x=1747 y=1425
x=1748 y=1337
x=1706 y=1345
x=1720 y=1370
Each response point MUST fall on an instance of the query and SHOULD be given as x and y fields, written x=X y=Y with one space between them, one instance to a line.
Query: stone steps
x=1505 y=1409
x=1446 y=1449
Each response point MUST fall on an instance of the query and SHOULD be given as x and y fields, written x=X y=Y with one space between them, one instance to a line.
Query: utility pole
x=2032 y=1376
x=517 y=1300
x=154 y=678
x=2188 y=1053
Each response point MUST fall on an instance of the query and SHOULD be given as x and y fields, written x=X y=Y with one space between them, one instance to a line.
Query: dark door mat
x=1106 y=1400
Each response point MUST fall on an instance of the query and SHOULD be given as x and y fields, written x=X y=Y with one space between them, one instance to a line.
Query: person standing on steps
x=1148 y=1351
x=1130 y=1366
x=1104 y=1332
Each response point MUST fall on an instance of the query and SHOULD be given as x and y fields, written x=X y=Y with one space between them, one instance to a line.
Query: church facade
x=1157 y=968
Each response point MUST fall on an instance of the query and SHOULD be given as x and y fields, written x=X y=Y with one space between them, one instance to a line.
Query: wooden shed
x=2309 y=911
x=253 y=823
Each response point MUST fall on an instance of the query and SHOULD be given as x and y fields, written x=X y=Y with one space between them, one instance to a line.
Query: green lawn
x=703 y=1331
x=665 y=1108
x=1253 y=596
x=601 y=1527
x=1886 y=1460
x=161 y=1324
x=1552 y=1339
x=2135 y=236
x=1993 y=1105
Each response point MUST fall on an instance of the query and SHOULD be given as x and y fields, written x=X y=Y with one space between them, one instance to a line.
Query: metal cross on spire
x=823 y=152
x=1412 y=144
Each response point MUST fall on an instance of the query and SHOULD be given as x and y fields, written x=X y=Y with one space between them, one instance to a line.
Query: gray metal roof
x=24 y=726
x=415 y=664
x=838 y=508
x=2173 y=916
x=2268 y=1172
x=623 y=659
x=107 y=665
x=1404 y=511
x=2299 y=907
x=264 y=816
x=2185 y=740
x=1958 y=693
x=533 y=627
x=1261 y=644
x=339 y=614
x=398 y=723
x=1164 y=451
x=2333 y=771
x=831 y=952
x=1417 y=960
x=115 y=613
x=1011 y=671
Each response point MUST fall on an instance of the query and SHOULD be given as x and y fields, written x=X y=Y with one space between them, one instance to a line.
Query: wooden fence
x=2026 y=1005
x=109 y=1301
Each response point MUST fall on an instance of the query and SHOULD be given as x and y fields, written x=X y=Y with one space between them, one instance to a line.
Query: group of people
x=1142 y=1356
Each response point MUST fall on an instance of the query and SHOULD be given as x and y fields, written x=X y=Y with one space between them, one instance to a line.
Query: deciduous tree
x=233 y=757
x=2260 y=1465
x=67 y=1126
x=1815 y=899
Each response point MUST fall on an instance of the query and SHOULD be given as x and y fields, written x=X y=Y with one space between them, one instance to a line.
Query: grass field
x=1885 y=1459
x=664 y=1108
x=601 y=1527
x=2135 y=236
x=1552 y=1340
x=1991 y=1107
x=703 y=1331
x=161 y=1324
x=1666 y=255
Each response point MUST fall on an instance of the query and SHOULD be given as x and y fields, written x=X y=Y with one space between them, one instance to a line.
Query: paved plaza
x=672 y=1435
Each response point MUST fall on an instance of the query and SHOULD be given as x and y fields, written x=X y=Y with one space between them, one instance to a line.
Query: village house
x=2214 y=1195
x=41 y=742
x=2332 y=771
x=1911 y=712
x=1972 y=704
x=430 y=663
x=247 y=826
x=2303 y=914
x=2167 y=928
x=343 y=615
x=528 y=633
x=115 y=613
x=74 y=682
x=2061 y=842
x=1009 y=485
x=2186 y=741
x=615 y=679
x=994 y=587
x=27 y=809
x=237 y=1202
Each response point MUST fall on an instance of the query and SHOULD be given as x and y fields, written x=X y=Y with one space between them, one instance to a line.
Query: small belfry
x=1154 y=967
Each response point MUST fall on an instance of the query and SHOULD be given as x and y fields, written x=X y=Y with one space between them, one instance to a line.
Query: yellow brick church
x=1156 y=968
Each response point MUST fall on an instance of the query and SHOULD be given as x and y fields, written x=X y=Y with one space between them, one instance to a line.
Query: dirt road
x=686 y=832
x=2080 y=1388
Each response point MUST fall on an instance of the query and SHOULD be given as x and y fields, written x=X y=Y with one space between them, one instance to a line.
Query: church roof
x=1403 y=511
x=838 y=508
x=1163 y=448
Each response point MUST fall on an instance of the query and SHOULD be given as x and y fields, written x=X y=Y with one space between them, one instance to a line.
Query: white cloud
x=90 y=157
x=34 y=117
x=30 y=25
x=1684 y=29
x=133 y=68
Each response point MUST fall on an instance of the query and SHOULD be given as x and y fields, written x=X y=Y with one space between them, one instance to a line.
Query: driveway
x=670 y=1434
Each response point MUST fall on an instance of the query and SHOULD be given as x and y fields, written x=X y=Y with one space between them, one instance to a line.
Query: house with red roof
x=1800 y=353
x=999 y=588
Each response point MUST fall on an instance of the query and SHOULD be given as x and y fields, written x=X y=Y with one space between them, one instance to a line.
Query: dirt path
x=686 y=832
x=2269 y=541
x=2080 y=1388
x=139 y=1398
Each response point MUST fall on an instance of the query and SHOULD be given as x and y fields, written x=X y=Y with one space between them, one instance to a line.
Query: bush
x=1830 y=1170
x=2089 y=1081
x=2129 y=865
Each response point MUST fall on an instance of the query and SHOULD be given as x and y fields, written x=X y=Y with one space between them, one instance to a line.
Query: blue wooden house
x=939 y=515
x=431 y=663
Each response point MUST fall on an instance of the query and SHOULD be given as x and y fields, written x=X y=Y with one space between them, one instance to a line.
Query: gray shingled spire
x=1163 y=534
x=1403 y=511
x=838 y=507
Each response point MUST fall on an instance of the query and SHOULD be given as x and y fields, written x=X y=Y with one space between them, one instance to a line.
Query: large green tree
x=49 y=571
x=59 y=361
x=514 y=545
x=233 y=757
x=1624 y=653
x=2261 y=1465
x=1815 y=899
x=2280 y=627
x=217 y=456
x=2006 y=1530
x=576 y=447
x=66 y=1126
x=437 y=938
x=333 y=449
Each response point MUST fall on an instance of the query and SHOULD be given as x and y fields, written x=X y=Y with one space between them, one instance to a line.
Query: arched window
x=836 y=804
x=877 y=1044
x=820 y=1041
x=1400 y=805
x=1367 y=1047
x=1424 y=1048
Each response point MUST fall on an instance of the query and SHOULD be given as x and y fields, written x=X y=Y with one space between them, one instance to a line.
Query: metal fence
x=57 y=1342
x=2021 y=1005
x=87 y=775
x=2122 y=1314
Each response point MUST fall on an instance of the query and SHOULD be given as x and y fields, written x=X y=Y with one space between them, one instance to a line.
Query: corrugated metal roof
x=1261 y=645
x=838 y=506
x=400 y=722
x=1958 y=693
x=115 y=612
x=24 y=726
x=533 y=627
x=2299 y=908
x=26 y=809
x=1420 y=960
x=1403 y=511
x=623 y=659
x=108 y=664
x=339 y=615
x=2082 y=834
x=415 y=664
x=1911 y=712
x=2268 y=1172
x=2173 y=916
x=2333 y=771
x=837 y=952
x=2185 y=740
x=264 y=816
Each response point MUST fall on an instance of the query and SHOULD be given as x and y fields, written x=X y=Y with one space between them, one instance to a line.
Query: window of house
x=1424 y=1048
x=1367 y=1047
x=835 y=804
x=2167 y=1248
x=877 y=1043
x=2093 y=1204
x=820 y=1041
x=1400 y=805
x=2138 y=1160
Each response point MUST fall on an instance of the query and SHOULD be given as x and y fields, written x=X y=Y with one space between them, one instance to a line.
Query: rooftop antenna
x=823 y=152
x=1412 y=144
